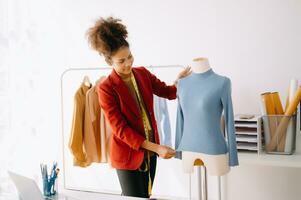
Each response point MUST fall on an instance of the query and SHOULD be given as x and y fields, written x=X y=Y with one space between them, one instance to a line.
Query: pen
x=46 y=172
x=41 y=169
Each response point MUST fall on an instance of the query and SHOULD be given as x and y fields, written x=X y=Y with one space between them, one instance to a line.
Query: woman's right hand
x=165 y=152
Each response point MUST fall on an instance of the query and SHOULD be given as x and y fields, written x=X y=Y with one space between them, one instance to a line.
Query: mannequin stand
x=202 y=182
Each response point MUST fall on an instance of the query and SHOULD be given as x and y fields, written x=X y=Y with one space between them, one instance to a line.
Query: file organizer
x=249 y=134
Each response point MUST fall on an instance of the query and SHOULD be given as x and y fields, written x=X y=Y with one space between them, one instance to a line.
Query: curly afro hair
x=107 y=36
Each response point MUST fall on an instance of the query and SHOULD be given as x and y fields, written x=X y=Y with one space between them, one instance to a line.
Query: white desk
x=81 y=195
x=75 y=195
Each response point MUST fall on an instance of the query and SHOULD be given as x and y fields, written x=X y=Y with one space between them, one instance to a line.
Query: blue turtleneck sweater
x=201 y=99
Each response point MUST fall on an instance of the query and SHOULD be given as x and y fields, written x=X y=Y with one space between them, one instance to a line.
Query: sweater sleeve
x=119 y=125
x=229 y=122
x=179 y=129
x=160 y=88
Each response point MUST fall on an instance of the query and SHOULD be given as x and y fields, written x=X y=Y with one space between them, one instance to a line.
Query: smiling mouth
x=127 y=68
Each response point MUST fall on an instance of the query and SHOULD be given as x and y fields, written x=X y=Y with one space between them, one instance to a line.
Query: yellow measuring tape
x=147 y=130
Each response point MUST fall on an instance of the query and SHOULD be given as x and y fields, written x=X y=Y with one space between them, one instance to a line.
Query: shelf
x=271 y=159
x=247 y=146
x=246 y=133
x=242 y=125
x=246 y=138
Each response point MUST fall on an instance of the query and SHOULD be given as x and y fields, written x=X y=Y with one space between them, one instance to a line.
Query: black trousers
x=134 y=182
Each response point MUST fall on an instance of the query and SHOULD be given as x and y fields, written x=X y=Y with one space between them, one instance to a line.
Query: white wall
x=255 y=43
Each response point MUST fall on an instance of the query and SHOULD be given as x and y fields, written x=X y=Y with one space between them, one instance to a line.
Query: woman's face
x=122 y=60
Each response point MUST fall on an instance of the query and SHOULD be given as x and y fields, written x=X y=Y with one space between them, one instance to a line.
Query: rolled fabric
x=270 y=110
x=294 y=103
x=277 y=103
x=291 y=92
x=281 y=129
x=293 y=89
x=279 y=111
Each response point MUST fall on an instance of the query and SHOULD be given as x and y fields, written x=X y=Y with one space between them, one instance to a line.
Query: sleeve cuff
x=173 y=92
x=178 y=155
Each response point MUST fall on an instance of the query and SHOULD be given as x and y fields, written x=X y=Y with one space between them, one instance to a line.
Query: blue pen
x=53 y=169
x=45 y=172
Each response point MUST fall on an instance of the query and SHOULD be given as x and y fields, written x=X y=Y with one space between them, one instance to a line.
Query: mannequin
x=200 y=65
x=217 y=160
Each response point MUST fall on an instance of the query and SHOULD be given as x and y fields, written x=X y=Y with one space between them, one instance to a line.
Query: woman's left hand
x=185 y=72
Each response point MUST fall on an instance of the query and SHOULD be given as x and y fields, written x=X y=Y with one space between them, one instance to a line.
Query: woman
x=126 y=96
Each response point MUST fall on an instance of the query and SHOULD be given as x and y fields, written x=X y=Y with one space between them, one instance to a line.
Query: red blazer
x=123 y=114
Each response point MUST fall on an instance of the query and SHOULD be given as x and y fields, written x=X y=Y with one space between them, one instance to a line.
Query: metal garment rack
x=202 y=175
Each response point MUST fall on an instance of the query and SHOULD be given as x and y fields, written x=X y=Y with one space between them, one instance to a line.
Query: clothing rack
x=151 y=67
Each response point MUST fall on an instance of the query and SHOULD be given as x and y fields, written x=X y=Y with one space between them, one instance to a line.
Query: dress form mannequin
x=202 y=98
x=216 y=165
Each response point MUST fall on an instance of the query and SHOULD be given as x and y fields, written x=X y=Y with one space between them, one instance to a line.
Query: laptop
x=29 y=190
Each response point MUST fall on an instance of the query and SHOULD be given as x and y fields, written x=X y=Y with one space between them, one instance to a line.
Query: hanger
x=151 y=69
x=86 y=81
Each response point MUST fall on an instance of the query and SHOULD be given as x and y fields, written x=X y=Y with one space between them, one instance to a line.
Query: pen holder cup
x=50 y=187
x=279 y=134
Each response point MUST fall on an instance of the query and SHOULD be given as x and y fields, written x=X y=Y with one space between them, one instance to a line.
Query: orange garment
x=92 y=129
x=90 y=134
x=78 y=124
x=105 y=138
x=97 y=130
